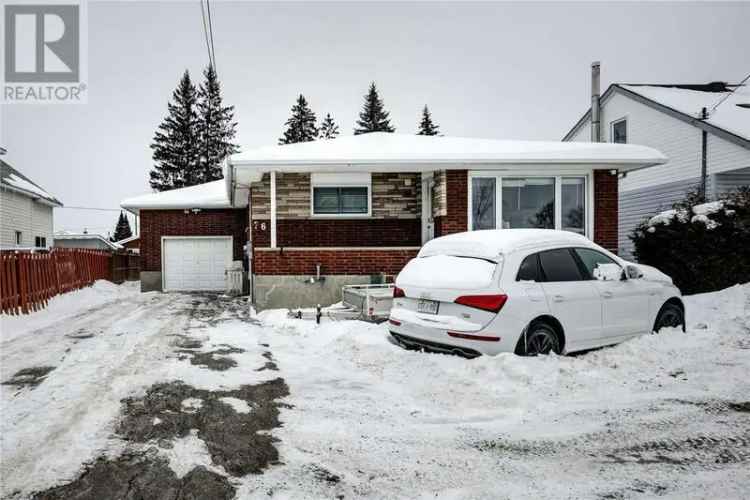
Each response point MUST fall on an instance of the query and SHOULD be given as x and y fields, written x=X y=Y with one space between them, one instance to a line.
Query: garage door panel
x=196 y=264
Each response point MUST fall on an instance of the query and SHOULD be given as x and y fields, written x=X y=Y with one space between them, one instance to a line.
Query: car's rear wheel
x=540 y=338
x=670 y=316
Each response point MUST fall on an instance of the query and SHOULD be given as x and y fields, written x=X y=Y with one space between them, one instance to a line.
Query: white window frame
x=558 y=175
x=19 y=238
x=612 y=130
x=341 y=180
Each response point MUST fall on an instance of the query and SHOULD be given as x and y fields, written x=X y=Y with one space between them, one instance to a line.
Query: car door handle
x=607 y=295
x=558 y=298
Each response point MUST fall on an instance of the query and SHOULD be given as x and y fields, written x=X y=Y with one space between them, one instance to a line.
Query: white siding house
x=669 y=118
x=26 y=211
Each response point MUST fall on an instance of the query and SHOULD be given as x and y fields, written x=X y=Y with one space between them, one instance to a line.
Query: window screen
x=620 y=132
x=340 y=200
x=559 y=265
x=529 y=270
x=591 y=259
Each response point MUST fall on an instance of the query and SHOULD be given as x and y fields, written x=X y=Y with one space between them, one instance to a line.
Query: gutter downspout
x=704 y=157
x=596 y=126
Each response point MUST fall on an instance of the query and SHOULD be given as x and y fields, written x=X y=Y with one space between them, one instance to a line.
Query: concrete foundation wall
x=151 y=281
x=277 y=291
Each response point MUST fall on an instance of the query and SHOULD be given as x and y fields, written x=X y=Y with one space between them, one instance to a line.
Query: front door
x=428 y=223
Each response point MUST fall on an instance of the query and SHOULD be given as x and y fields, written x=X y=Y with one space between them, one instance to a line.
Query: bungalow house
x=85 y=240
x=704 y=129
x=26 y=211
x=308 y=218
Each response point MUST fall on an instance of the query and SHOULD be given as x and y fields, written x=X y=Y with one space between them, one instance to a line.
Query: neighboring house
x=26 y=211
x=85 y=240
x=315 y=216
x=133 y=243
x=711 y=153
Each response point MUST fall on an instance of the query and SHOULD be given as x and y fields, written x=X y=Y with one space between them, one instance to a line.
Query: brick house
x=308 y=218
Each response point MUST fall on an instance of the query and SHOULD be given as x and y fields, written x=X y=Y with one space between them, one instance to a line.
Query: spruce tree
x=328 y=129
x=122 y=230
x=216 y=128
x=374 y=117
x=427 y=126
x=174 y=145
x=300 y=127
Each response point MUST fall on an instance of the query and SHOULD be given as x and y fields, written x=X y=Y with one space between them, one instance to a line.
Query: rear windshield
x=447 y=271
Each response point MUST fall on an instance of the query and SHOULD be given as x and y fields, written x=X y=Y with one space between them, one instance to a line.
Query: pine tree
x=427 y=126
x=122 y=230
x=328 y=129
x=174 y=145
x=301 y=125
x=216 y=128
x=374 y=117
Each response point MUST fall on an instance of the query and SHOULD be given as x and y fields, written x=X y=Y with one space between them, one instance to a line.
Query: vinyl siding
x=21 y=213
x=724 y=156
x=728 y=181
x=638 y=204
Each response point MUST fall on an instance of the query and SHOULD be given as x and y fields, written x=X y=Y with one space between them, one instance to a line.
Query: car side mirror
x=631 y=272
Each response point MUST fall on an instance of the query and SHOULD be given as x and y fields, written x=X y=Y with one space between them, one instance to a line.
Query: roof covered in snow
x=15 y=180
x=731 y=116
x=491 y=244
x=65 y=235
x=404 y=152
x=209 y=195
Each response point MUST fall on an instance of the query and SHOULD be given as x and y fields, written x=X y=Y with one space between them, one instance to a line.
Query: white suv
x=528 y=291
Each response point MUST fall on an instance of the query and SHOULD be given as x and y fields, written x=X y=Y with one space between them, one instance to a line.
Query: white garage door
x=196 y=264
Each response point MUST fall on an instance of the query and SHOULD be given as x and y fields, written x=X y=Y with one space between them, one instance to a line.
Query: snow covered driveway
x=181 y=396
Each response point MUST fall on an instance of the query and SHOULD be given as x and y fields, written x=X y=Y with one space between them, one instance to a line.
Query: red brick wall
x=605 y=209
x=457 y=191
x=339 y=233
x=158 y=223
x=303 y=262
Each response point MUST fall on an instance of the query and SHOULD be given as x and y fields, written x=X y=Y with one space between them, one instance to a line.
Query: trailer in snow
x=363 y=302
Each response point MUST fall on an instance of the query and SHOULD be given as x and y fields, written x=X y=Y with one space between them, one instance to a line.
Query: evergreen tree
x=122 y=230
x=427 y=126
x=216 y=128
x=300 y=127
x=174 y=145
x=374 y=117
x=328 y=129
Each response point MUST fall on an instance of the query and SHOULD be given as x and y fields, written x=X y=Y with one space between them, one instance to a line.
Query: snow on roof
x=128 y=239
x=209 y=195
x=65 y=235
x=491 y=244
x=405 y=151
x=728 y=116
x=14 y=179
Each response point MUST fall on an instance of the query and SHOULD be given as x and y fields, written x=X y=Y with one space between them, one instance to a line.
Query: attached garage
x=195 y=263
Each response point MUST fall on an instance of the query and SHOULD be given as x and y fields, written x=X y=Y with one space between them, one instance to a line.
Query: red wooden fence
x=28 y=280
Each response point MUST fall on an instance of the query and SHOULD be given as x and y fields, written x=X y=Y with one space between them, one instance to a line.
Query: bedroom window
x=620 y=131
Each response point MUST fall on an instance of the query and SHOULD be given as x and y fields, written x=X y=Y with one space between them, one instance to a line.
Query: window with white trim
x=340 y=194
x=620 y=131
x=19 y=238
x=547 y=202
x=40 y=242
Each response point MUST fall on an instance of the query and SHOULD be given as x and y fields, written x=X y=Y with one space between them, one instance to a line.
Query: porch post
x=273 y=209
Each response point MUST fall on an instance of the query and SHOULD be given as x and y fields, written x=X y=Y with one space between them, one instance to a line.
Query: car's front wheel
x=540 y=338
x=670 y=316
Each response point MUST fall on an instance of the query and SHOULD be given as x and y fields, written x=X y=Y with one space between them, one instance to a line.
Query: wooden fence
x=29 y=279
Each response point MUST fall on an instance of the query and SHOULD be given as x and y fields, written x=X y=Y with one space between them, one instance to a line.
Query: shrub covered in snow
x=702 y=246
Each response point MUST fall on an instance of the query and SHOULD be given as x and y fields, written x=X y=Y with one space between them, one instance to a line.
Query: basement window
x=40 y=242
x=620 y=131
x=19 y=238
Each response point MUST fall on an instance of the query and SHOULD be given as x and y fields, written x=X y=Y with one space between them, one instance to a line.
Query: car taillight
x=492 y=303
x=397 y=292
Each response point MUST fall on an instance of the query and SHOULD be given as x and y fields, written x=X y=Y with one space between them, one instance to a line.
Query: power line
x=206 y=35
x=94 y=208
x=211 y=35
x=732 y=92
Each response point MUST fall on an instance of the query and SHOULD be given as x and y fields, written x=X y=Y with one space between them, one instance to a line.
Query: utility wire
x=732 y=92
x=205 y=33
x=211 y=36
x=93 y=208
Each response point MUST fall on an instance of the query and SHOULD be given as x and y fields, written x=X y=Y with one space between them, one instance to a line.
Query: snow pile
x=446 y=271
x=62 y=307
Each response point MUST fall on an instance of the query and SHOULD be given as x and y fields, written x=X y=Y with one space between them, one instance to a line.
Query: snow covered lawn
x=190 y=393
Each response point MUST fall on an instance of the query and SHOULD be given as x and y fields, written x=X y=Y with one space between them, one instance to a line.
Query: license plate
x=427 y=306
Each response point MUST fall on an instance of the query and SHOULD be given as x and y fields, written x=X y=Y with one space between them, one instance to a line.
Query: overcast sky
x=496 y=70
